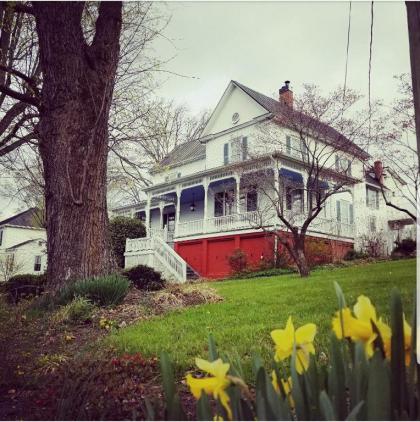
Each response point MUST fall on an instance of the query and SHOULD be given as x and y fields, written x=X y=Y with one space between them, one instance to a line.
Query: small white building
x=202 y=205
x=22 y=245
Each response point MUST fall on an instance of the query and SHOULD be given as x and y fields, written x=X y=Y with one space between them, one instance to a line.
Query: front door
x=169 y=221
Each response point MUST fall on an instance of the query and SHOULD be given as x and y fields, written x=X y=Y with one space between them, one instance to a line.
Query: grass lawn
x=241 y=324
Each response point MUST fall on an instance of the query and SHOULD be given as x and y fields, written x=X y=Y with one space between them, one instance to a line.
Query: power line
x=370 y=67
x=347 y=52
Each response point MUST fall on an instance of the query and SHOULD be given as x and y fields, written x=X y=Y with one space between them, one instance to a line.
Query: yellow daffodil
x=214 y=385
x=302 y=338
x=360 y=327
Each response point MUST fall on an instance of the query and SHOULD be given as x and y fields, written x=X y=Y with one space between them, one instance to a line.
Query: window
x=288 y=145
x=296 y=147
x=372 y=224
x=372 y=197
x=224 y=203
x=344 y=212
x=37 y=264
x=236 y=150
x=251 y=200
x=1 y=237
x=294 y=199
x=343 y=165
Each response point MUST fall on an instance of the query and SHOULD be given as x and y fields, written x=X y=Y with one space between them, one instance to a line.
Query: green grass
x=253 y=307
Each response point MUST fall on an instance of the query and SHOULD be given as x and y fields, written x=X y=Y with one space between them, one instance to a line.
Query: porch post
x=161 y=215
x=147 y=212
x=206 y=188
x=177 y=210
x=238 y=187
x=278 y=196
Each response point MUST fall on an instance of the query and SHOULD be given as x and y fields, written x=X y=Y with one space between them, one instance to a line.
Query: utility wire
x=370 y=67
x=347 y=52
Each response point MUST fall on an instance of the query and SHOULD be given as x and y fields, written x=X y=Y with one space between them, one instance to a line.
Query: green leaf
x=150 y=411
x=311 y=385
x=336 y=379
x=412 y=370
x=173 y=405
x=340 y=296
x=352 y=416
x=326 y=407
x=257 y=363
x=264 y=411
x=398 y=381
x=297 y=392
x=379 y=390
x=204 y=412
x=213 y=355
x=359 y=378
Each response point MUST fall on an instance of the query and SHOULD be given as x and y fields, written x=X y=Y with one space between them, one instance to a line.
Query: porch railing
x=251 y=220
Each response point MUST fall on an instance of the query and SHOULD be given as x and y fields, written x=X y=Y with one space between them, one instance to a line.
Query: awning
x=291 y=176
x=320 y=184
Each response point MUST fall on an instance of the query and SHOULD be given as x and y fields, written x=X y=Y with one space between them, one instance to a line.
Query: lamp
x=192 y=206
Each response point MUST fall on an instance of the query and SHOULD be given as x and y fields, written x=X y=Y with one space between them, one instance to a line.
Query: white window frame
x=372 y=203
x=38 y=261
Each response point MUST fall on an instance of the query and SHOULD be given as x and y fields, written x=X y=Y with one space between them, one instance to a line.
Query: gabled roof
x=194 y=150
x=284 y=113
x=18 y=245
x=26 y=218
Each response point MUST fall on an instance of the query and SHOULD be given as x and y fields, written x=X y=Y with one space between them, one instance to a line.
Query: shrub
x=122 y=228
x=238 y=261
x=374 y=244
x=145 y=278
x=79 y=310
x=370 y=373
x=102 y=291
x=24 y=286
x=405 y=247
x=317 y=252
x=352 y=255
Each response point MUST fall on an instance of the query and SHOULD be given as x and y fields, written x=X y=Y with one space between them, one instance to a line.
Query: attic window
x=235 y=118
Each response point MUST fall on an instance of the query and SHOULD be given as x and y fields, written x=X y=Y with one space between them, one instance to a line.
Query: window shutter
x=338 y=211
x=351 y=214
x=226 y=153
x=288 y=145
x=244 y=148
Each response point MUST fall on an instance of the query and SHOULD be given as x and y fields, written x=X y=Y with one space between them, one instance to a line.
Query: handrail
x=175 y=262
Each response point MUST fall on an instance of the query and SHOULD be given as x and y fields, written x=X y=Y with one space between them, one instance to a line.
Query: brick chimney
x=286 y=95
x=378 y=169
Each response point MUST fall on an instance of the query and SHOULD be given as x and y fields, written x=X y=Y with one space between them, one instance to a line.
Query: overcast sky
x=261 y=44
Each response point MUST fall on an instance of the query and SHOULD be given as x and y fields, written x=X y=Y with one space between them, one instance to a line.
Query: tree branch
x=20 y=97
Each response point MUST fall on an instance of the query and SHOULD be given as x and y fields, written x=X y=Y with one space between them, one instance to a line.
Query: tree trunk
x=78 y=81
x=301 y=261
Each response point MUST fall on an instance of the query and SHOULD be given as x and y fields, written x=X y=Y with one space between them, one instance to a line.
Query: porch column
x=161 y=215
x=178 y=208
x=278 y=196
x=147 y=212
x=238 y=186
x=206 y=188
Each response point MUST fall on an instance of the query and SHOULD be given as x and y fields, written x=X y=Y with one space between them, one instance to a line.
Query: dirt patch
x=45 y=367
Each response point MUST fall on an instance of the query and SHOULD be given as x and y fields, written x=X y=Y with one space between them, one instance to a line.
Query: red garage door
x=192 y=252
x=219 y=251
x=255 y=247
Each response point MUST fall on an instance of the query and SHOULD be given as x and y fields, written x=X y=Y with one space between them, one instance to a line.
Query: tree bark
x=300 y=257
x=413 y=20
x=78 y=81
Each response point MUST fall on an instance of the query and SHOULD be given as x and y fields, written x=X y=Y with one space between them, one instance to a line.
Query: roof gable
x=234 y=100
x=29 y=218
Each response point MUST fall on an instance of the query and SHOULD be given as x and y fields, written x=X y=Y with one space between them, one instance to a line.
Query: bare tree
x=65 y=80
x=318 y=137
x=398 y=150
x=9 y=266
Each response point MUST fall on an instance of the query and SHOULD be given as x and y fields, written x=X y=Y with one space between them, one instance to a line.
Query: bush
x=24 y=286
x=122 y=228
x=317 y=252
x=352 y=255
x=238 y=261
x=102 y=291
x=145 y=278
x=369 y=374
x=406 y=247
x=79 y=310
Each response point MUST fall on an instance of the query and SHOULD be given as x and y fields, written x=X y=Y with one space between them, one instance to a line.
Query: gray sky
x=261 y=44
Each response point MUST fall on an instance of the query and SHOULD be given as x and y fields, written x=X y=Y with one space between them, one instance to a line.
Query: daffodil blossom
x=214 y=385
x=287 y=387
x=360 y=327
x=302 y=338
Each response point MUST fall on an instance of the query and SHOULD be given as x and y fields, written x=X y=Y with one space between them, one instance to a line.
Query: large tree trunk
x=299 y=255
x=78 y=81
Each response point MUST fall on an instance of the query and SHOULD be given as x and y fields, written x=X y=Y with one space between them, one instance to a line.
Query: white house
x=202 y=205
x=22 y=245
